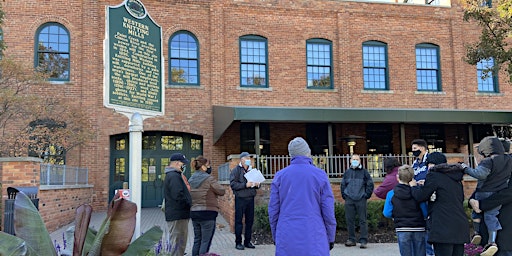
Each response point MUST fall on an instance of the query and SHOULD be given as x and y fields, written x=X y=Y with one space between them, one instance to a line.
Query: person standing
x=449 y=229
x=301 y=202
x=177 y=204
x=391 y=165
x=419 y=151
x=244 y=191
x=408 y=215
x=356 y=187
x=204 y=190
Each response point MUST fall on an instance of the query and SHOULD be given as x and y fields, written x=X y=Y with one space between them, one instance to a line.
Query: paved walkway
x=223 y=240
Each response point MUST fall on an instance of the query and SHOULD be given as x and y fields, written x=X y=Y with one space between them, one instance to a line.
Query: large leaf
x=82 y=219
x=145 y=244
x=29 y=226
x=122 y=216
x=12 y=246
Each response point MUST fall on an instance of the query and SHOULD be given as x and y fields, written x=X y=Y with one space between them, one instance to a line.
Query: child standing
x=408 y=215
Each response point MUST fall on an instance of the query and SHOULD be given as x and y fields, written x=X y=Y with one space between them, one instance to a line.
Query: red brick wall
x=57 y=204
x=218 y=26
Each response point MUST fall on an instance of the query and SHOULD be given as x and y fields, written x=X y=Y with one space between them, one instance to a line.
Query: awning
x=223 y=116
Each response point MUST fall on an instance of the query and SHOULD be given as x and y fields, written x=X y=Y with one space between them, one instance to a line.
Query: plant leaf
x=122 y=214
x=145 y=243
x=29 y=226
x=82 y=219
x=11 y=245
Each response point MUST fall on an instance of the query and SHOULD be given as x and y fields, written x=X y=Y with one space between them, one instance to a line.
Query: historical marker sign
x=133 y=60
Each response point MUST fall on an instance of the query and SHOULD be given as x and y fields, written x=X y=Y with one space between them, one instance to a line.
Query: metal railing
x=334 y=165
x=63 y=175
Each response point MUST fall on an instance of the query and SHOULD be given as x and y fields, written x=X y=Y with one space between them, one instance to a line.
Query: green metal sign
x=133 y=60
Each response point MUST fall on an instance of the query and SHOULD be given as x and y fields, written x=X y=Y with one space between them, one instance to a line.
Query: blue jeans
x=203 y=234
x=490 y=216
x=411 y=243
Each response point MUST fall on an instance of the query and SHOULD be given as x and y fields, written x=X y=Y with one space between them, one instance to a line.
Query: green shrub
x=376 y=221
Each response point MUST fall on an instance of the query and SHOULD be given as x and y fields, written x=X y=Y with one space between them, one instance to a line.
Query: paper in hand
x=254 y=175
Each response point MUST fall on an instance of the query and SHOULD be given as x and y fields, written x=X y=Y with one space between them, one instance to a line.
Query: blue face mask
x=354 y=163
x=247 y=162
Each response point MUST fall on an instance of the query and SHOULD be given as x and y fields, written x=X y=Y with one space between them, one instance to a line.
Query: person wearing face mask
x=356 y=187
x=419 y=151
x=244 y=191
x=204 y=190
x=177 y=203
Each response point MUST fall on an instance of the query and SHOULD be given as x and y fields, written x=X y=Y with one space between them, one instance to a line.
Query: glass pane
x=172 y=143
x=148 y=170
x=120 y=144
x=149 y=142
x=195 y=144
x=120 y=167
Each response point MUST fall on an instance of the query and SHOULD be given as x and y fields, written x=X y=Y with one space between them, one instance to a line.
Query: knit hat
x=436 y=158
x=299 y=147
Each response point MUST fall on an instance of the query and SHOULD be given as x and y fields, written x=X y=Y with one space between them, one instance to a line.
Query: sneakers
x=476 y=239
x=363 y=245
x=489 y=250
x=349 y=243
x=239 y=247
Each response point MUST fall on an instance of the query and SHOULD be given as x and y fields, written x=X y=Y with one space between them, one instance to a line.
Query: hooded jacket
x=493 y=172
x=446 y=219
x=356 y=184
x=204 y=190
x=302 y=204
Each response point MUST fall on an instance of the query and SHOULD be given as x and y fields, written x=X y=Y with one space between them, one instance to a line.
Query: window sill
x=377 y=91
x=488 y=94
x=313 y=89
x=430 y=92
x=254 y=88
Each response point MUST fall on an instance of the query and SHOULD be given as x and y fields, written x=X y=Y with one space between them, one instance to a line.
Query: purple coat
x=387 y=184
x=301 y=209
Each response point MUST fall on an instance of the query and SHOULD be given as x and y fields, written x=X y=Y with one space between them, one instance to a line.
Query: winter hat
x=299 y=147
x=436 y=158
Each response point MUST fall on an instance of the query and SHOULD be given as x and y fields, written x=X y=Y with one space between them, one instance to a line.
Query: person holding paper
x=302 y=203
x=244 y=191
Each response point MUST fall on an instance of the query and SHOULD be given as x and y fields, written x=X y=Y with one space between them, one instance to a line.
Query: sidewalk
x=223 y=240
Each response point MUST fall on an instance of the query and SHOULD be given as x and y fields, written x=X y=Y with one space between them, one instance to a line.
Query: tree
x=33 y=122
x=496 y=24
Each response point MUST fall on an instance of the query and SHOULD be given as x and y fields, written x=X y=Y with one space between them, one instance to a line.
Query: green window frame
x=487 y=81
x=183 y=59
x=52 y=51
x=428 y=71
x=253 y=61
x=319 y=63
x=375 y=66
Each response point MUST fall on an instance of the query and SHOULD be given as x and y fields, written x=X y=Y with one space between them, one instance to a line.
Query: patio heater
x=351 y=141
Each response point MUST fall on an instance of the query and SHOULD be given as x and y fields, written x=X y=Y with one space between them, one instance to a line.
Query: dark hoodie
x=493 y=172
x=446 y=217
x=406 y=211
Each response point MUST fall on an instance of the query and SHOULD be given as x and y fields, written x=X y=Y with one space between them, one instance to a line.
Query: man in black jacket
x=244 y=191
x=177 y=204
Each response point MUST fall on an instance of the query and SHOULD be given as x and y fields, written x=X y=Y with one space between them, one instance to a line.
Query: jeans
x=244 y=206
x=442 y=249
x=178 y=230
x=411 y=243
x=490 y=216
x=203 y=234
x=351 y=209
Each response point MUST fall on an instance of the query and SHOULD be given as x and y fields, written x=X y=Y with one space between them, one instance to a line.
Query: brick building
x=250 y=75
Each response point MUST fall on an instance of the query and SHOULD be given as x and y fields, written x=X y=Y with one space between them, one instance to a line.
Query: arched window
x=52 y=51
x=375 y=65
x=183 y=59
x=428 y=71
x=253 y=61
x=319 y=63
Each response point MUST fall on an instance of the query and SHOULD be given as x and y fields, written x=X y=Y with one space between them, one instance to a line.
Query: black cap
x=179 y=157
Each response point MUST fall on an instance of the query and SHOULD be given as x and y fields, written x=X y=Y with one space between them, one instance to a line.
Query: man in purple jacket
x=302 y=202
